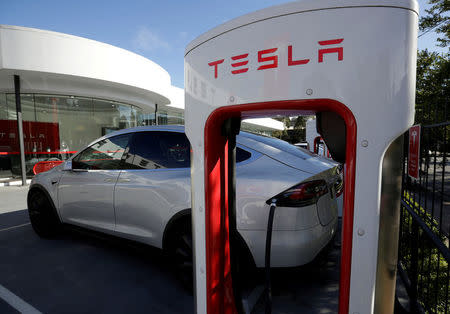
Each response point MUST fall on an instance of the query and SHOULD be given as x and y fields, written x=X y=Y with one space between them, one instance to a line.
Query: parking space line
x=14 y=227
x=16 y=302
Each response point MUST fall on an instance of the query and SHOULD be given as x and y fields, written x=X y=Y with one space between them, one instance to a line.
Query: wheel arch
x=177 y=219
x=40 y=188
x=185 y=215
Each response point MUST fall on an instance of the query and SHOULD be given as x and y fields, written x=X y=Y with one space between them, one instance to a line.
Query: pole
x=20 y=128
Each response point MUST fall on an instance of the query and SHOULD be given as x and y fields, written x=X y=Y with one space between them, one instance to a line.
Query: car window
x=158 y=150
x=242 y=155
x=103 y=155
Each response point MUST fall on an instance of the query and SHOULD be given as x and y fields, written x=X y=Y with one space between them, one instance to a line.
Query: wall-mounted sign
x=38 y=137
x=414 y=151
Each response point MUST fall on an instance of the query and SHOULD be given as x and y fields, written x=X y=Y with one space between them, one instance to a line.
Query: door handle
x=123 y=180
x=109 y=180
x=54 y=181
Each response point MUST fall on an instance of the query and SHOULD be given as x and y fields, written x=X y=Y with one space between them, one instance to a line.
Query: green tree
x=297 y=133
x=292 y=135
x=433 y=69
x=437 y=19
x=432 y=88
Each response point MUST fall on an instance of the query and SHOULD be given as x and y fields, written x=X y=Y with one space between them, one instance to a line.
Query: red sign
x=414 y=151
x=38 y=136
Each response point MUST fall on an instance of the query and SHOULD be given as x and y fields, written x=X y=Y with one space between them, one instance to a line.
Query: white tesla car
x=135 y=184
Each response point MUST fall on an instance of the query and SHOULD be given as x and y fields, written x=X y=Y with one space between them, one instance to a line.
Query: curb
x=14 y=183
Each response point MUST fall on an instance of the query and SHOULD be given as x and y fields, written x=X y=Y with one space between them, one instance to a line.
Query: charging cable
x=273 y=206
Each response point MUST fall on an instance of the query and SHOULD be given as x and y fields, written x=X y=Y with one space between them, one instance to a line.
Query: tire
x=42 y=215
x=181 y=255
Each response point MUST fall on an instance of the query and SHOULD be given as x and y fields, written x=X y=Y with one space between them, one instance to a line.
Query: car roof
x=178 y=128
x=173 y=128
x=242 y=138
x=272 y=147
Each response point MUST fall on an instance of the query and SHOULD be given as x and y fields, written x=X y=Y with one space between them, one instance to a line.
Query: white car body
x=138 y=204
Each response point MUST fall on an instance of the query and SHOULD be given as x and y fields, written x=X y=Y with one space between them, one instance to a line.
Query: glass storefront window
x=3 y=107
x=139 y=116
x=27 y=103
x=136 y=117
x=169 y=115
x=57 y=126
x=30 y=132
x=125 y=120
x=5 y=160
x=11 y=107
x=69 y=118
x=106 y=116
x=148 y=119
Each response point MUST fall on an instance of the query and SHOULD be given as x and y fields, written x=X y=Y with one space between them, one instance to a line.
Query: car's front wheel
x=43 y=218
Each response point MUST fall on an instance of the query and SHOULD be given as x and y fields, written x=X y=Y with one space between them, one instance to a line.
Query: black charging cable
x=273 y=206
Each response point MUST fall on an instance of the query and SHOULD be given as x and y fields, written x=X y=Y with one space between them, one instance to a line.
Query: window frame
x=121 y=161
x=122 y=165
x=133 y=140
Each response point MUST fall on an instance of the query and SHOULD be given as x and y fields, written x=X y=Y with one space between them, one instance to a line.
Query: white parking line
x=16 y=302
x=14 y=227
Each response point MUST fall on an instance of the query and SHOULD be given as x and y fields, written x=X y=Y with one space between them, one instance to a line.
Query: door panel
x=86 y=198
x=86 y=194
x=145 y=200
x=155 y=186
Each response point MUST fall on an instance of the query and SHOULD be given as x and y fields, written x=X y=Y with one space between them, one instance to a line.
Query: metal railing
x=424 y=254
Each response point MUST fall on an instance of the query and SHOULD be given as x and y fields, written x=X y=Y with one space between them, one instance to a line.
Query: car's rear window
x=281 y=145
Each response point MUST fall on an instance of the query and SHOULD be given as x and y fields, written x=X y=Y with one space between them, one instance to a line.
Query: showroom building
x=74 y=90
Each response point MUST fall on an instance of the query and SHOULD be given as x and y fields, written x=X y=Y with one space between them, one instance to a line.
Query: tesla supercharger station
x=352 y=63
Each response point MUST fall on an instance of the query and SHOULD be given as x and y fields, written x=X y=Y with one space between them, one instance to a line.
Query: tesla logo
x=268 y=58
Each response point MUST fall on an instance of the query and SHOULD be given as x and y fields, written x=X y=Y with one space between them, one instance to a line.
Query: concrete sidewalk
x=13 y=198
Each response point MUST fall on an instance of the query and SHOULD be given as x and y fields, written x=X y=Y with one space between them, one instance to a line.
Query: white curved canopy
x=50 y=62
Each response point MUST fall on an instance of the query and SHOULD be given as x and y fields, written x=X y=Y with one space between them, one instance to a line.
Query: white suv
x=135 y=184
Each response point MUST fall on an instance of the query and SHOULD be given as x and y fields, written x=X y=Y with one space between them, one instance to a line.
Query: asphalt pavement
x=79 y=273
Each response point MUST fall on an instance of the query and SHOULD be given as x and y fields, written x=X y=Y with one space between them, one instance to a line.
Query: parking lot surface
x=75 y=273
x=79 y=273
x=312 y=288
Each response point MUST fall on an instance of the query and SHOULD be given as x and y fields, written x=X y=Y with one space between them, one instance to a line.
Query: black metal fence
x=424 y=254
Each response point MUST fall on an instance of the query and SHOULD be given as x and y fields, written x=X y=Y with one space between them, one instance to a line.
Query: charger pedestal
x=352 y=63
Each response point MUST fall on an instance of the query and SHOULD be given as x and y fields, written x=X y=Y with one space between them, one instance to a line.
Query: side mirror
x=67 y=165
